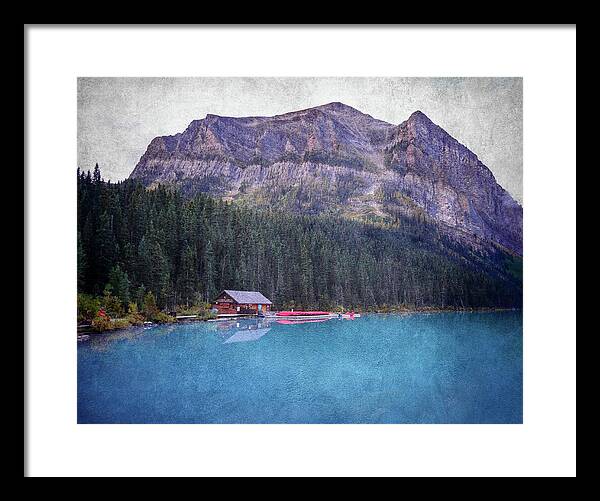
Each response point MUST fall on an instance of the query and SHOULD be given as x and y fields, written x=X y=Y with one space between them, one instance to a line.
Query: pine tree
x=97 y=177
x=81 y=264
x=208 y=274
x=306 y=276
x=105 y=247
x=188 y=277
x=140 y=294
x=119 y=282
x=149 y=306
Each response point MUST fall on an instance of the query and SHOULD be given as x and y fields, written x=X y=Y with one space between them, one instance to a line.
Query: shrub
x=202 y=310
x=119 y=323
x=160 y=317
x=133 y=315
x=87 y=307
x=207 y=314
x=149 y=308
x=101 y=322
x=112 y=304
x=188 y=310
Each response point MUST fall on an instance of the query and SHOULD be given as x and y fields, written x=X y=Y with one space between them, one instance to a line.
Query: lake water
x=415 y=368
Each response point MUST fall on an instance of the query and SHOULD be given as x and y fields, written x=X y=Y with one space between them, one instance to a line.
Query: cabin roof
x=247 y=297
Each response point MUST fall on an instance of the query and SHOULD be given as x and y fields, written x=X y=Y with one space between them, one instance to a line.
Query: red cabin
x=241 y=303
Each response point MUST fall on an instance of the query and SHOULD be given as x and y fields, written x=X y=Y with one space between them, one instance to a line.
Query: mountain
x=333 y=159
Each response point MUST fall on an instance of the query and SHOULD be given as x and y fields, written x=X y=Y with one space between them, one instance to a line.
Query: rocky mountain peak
x=337 y=107
x=334 y=158
x=419 y=117
x=419 y=123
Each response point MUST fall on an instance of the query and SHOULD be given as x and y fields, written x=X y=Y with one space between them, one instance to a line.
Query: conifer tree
x=81 y=264
x=119 y=282
x=97 y=177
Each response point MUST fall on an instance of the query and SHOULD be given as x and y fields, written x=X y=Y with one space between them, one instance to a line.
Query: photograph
x=299 y=250
x=342 y=262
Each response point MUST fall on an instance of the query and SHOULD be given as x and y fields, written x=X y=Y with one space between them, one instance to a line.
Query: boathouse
x=241 y=303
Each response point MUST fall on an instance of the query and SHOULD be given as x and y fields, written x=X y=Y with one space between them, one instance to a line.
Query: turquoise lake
x=412 y=368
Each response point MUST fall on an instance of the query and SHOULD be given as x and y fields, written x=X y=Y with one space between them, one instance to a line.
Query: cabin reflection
x=247 y=335
x=242 y=331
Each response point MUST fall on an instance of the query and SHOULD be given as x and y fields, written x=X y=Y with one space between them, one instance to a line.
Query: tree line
x=184 y=250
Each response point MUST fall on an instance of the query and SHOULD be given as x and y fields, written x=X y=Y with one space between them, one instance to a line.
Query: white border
x=544 y=445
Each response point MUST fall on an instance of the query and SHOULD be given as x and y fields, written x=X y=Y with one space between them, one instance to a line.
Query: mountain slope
x=451 y=184
x=333 y=159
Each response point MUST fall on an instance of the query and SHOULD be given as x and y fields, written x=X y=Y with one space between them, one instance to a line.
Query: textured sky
x=118 y=117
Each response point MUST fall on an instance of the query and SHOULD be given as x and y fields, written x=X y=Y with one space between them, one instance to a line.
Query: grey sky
x=118 y=117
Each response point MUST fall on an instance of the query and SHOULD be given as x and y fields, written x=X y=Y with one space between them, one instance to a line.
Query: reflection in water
x=243 y=330
x=103 y=341
x=300 y=321
x=247 y=335
x=232 y=331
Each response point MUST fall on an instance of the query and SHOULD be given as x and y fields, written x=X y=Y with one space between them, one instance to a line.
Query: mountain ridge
x=335 y=159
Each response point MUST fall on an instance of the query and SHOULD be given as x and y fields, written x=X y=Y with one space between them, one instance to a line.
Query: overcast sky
x=118 y=117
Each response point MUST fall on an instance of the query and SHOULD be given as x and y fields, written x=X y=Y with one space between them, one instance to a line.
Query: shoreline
x=443 y=310
x=84 y=331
